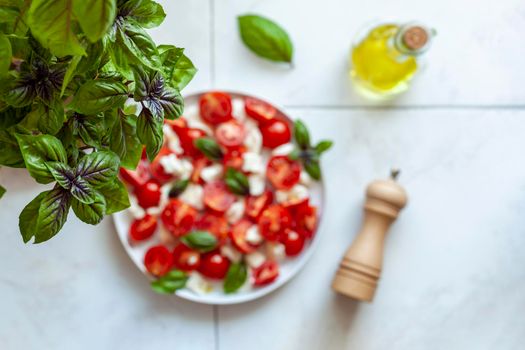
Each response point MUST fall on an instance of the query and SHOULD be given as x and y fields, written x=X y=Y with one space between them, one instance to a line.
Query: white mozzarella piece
x=255 y=259
x=193 y=195
x=238 y=109
x=305 y=179
x=231 y=253
x=235 y=211
x=257 y=184
x=253 y=235
x=135 y=209
x=171 y=139
x=253 y=163
x=283 y=150
x=197 y=284
x=181 y=168
x=297 y=192
x=211 y=173
x=253 y=139
x=276 y=251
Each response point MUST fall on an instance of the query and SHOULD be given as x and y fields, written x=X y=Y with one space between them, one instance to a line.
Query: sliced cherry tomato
x=293 y=242
x=274 y=221
x=216 y=225
x=214 y=265
x=148 y=194
x=142 y=229
x=256 y=204
x=259 y=110
x=283 y=172
x=275 y=133
x=238 y=236
x=230 y=134
x=306 y=221
x=177 y=124
x=158 y=260
x=215 y=107
x=138 y=177
x=266 y=273
x=217 y=197
x=157 y=170
x=178 y=217
x=187 y=138
x=295 y=206
x=185 y=258
x=233 y=158
x=199 y=164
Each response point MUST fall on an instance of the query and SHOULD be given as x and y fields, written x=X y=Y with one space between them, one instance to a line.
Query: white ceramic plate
x=288 y=267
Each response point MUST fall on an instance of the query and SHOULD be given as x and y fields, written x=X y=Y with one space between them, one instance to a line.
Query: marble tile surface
x=454 y=275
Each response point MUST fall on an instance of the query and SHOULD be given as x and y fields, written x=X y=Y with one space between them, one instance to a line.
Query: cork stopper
x=415 y=37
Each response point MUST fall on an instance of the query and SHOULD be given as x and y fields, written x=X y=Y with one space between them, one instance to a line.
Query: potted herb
x=69 y=70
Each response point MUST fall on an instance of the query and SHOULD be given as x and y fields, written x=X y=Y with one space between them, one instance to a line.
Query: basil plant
x=83 y=90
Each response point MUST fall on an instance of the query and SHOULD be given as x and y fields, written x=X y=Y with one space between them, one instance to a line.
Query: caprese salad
x=227 y=197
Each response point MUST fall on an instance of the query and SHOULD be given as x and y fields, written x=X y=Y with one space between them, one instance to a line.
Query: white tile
x=476 y=57
x=453 y=275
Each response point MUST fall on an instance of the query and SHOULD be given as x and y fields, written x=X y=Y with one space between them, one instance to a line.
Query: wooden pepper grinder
x=360 y=268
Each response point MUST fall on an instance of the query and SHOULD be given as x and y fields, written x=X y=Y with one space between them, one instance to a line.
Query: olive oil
x=384 y=62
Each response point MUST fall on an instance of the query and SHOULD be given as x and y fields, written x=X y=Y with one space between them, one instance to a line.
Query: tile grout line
x=212 y=42
x=407 y=107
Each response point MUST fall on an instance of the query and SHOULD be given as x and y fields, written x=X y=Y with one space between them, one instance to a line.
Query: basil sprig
x=237 y=182
x=209 y=147
x=308 y=155
x=170 y=282
x=178 y=187
x=203 y=241
x=265 y=38
x=235 y=277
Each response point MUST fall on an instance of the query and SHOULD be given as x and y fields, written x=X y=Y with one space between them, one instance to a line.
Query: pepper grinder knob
x=360 y=268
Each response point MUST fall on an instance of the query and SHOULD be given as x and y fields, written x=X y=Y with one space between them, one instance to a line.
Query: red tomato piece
x=296 y=206
x=238 y=236
x=274 y=221
x=138 y=177
x=158 y=260
x=217 y=197
x=187 y=137
x=177 y=125
x=178 y=217
x=233 y=158
x=230 y=134
x=275 y=133
x=199 y=164
x=283 y=172
x=215 y=107
x=214 y=265
x=256 y=204
x=306 y=221
x=216 y=225
x=266 y=273
x=157 y=170
x=293 y=242
x=185 y=258
x=142 y=229
x=259 y=110
x=148 y=194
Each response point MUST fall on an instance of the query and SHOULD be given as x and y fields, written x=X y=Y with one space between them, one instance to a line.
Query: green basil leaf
x=5 y=54
x=51 y=22
x=70 y=73
x=237 y=182
x=177 y=67
x=170 y=283
x=295 y=154
x=98 y=168
x=99 y=95
x=313 y=169
x=323 y=146
x=28 y=219
x=301 y=135
x=2 y=191
x=209 y=147
x=116 y=196
x=49 y=118
x=235 y=277
x=149 y=132
x=89 y=128
x=10 y=155
x=90 y=213
x=265 y=38
x=202 y=241
x=38 y=149
x=147 y=13
x=82 y=191
x=21 y=92
x=124 y=141
x=178 y=188
x=95 y=16
x=62 y=173
x=135 y=46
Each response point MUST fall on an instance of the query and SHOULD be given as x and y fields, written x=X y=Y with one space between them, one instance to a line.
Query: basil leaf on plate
x=178 y=187
x=265 y=38
x=202 y=241
x=99 y=95
x=323 y=146
x=95 y=16
x=98 y=168
x=170 y=282
x=301 y=135
x=149 y=132
x=237 y=182
x=235 y=277
x=313 y=169
x=38 y=149
x=116 y=196
x=209 y=147
x=90 y=213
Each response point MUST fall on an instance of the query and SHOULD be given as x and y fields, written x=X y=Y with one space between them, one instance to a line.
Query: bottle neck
x=413 y=39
